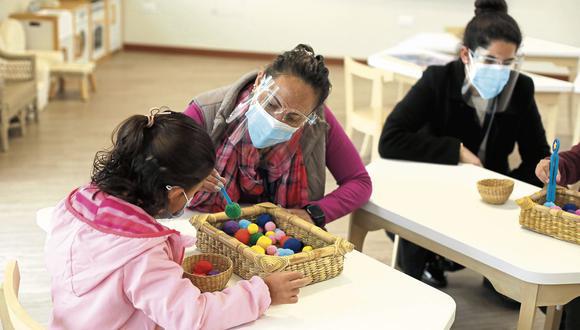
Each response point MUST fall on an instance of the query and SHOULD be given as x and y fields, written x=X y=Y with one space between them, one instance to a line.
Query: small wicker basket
x=556 y=223
x=208 y=283
x=495 y=191
x=324 y=262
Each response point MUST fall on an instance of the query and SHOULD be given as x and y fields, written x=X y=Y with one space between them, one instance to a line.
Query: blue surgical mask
x=489 y=79
x=265 y=130
x=182 y=210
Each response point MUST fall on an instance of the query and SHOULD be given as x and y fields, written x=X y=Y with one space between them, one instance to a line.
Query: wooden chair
x=17 y=93
x=12 y=314
x=369 y=119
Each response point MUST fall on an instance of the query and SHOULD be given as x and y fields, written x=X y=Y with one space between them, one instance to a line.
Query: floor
x=56 y=155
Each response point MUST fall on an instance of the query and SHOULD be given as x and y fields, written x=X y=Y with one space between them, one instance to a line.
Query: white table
x=550 y=93
x=367 y=294
x=438 y=207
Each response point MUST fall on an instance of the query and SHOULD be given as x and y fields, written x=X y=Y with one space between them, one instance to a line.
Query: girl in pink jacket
x=113 y=266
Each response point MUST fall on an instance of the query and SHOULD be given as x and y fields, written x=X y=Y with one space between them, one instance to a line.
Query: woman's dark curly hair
x=173 y=151
x=303 y=63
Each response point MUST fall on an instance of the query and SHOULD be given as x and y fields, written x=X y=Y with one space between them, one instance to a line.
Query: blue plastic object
x=551 y=190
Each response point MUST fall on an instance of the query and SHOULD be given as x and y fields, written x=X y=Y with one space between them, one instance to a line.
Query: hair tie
x=151 y=117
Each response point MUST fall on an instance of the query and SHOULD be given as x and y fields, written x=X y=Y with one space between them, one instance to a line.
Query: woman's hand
x=285 y=286
x=543 y=171
x=301 y=214
x=213 y=183
x=467 y=157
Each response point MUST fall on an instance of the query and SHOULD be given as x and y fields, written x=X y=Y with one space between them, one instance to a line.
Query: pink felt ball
x=270 y=226
x=271 y=250
x=556 y=207
x=273 y=238
x=578 y=212
x=280 y=234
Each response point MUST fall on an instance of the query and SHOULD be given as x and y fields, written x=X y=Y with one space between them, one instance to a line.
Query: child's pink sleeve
x=153 y=283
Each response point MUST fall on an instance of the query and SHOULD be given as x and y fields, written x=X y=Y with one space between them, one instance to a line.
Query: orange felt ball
x=243 y=235
x=283 y=240
x=202 y=267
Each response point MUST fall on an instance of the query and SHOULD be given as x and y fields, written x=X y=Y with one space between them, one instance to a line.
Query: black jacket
x=432 y=120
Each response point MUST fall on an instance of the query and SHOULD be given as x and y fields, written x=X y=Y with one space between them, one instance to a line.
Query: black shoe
x=507 y=301
x=434 y=276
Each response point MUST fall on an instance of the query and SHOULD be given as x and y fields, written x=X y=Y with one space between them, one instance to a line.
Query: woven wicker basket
x=556 y=223
x=495 y=191
x=208 y=283
x=324 y=262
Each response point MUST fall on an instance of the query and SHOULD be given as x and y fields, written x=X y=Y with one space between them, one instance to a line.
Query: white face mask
x=265 y=130
x=182 y=210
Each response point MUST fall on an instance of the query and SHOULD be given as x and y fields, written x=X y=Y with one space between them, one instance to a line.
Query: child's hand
x=543 y=171
x=213 y=183
x=285 y=286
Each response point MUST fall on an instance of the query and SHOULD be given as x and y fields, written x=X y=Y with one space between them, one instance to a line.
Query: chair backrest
x=12 y=313
x=455 y=30
x=13 y=35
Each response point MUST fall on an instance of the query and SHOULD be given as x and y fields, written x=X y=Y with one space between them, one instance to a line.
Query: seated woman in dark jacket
x=473 y=110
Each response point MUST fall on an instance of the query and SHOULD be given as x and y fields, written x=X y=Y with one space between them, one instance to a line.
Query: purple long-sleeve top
x=343 y=161
x=569 y=165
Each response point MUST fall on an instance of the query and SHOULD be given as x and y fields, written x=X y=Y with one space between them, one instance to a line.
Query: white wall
x=333 y=27
x=8 y=7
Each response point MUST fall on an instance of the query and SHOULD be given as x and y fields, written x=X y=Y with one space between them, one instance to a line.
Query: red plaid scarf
x=238 y=161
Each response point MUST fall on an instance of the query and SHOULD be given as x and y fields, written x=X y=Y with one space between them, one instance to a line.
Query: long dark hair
x=491 y=22
x=302 y=62
x=148 y=155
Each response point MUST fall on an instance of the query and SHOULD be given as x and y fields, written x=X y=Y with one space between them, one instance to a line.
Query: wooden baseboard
x=213 y=53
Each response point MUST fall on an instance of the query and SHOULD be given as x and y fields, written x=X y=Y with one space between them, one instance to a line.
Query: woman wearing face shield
x=275 y=138
x=473 y=110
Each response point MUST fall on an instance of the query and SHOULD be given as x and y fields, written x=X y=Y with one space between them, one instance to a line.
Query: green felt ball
x=233 y=211
x=254 y=238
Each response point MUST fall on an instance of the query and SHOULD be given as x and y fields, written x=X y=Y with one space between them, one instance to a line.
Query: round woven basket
x=495 y=191
x=209 y=283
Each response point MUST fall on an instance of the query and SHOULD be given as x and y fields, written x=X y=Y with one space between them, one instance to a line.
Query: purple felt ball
x=293 y=244
x=213 y=272
x=270 y=226
x=231 y=227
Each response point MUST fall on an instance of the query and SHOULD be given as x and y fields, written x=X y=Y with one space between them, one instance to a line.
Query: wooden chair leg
x=22 y=121
x=4 y=126
x=84 y=88
x=93 y=82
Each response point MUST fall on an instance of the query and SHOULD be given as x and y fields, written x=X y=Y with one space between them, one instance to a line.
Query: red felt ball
x=202 y=267
x=243 y=235
x=283 y=240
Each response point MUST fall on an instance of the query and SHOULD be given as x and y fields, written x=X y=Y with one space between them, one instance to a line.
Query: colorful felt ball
x=285 y=252
x=264 y=242
x=283 y=240
x=293 y=244
x=578 y=212
x=244 y=223
x=279 y=234
x=263 y=218
x=253 y=228
x=231 y=227
x=273 y=238
x=270 y=226
x=213 y=272
x=243 y=236
x=555 y=207
x=254 y=238
x=270 y=233
x=570 y=207
x=258 y=249
x=202 y=267
x=271 y=250
x=549 y=204
x=307 y=248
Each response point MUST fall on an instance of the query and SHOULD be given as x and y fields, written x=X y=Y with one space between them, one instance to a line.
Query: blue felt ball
x=244 y=223
x=285 y=252
x=293 y=244
x=570 y=207
x=231 y=227
x=263 y=219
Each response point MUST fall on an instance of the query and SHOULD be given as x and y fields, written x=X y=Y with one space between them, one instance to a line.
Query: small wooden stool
x=83 y=71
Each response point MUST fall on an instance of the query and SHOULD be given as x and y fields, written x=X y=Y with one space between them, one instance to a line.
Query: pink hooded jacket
x=114 y=267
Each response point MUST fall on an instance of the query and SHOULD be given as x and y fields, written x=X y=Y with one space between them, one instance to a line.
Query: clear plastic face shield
x=269 y=119
x=491 y=78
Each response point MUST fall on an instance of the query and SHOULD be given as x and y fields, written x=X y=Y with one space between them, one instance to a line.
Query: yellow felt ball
x=269 y=233
x=258 y=249
x=307 y=248
x=264 y=242
x=253 y=228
